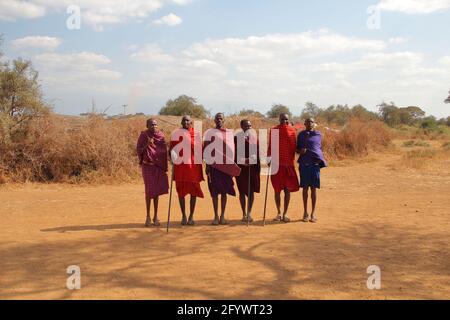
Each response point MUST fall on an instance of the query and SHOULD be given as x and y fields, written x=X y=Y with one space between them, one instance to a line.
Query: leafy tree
x=250 y=113
x=389 y=113
x=393 y=115
x=184 y=105
x=278 y=109
x=310 y=111
x=360 y=112
x=448 y=99
x=20 y=99
x=339 y=114
x=429 y=123
x=443 y=121
x=415 y=112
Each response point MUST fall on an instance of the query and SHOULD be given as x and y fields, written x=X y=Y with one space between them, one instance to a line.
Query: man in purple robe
x=152 y=152
x=311 y=160
x=220 y=177
x=250 y=165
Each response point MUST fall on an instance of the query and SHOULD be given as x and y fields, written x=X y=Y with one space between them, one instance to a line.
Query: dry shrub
x=414 y=133
x=356 y=139
x=56 y=149
x=421 y=159
x=446 y=146
x=413 y=143
x=97 y=150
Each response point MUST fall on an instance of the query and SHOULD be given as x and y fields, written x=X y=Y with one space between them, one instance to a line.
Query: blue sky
x=234 y=54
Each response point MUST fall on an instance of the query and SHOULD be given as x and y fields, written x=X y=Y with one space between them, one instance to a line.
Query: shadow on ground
x=151 y=264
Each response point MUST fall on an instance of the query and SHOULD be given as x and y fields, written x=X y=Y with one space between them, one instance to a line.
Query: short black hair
x=243 y=121
x=150 y=120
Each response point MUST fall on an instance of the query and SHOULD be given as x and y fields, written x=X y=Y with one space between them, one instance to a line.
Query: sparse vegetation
x=250 y=113
x=278 y=109
x=37 y=145
x=413 y=143
x=184 y=105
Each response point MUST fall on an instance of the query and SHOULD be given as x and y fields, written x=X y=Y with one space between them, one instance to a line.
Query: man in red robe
x=285 y=179
x=187 y=174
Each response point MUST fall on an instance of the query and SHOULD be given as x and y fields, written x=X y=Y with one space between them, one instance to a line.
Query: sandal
x=156 y=223
x=278 y=218
x=148 y=223
x=286 y=219
x=305 y=218
x=313 y=220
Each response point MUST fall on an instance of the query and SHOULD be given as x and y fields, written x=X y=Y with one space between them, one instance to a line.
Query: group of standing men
x=153 y=154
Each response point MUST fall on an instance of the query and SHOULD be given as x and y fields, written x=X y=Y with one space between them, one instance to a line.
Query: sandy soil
x=370 y=214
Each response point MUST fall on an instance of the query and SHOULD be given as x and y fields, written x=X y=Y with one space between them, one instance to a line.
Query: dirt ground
x=371 y=212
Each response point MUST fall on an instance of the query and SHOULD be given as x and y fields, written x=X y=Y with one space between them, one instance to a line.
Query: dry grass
x=427 y=158
x=356 y=139
x=95 y=150
x=414 y=143
x=415 y=133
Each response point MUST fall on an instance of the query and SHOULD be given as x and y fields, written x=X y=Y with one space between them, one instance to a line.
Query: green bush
x=184 y=105
x=278 y=109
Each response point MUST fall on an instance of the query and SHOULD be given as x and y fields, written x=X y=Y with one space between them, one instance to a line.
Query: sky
x=233 y=54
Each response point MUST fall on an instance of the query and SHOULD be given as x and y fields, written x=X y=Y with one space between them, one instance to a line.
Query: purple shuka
x=153 y=159
x=219 y=182
x=312 y=141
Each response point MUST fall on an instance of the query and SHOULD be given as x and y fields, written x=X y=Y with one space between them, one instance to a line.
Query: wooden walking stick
x=170 y=197
x=248 y=198
x=265 y=201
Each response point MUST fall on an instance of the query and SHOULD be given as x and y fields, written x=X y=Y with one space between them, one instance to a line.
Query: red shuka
x=188 y=175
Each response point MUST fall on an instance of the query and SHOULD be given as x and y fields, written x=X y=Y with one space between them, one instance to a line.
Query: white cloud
x=95 y=13
x=280 y=46
x=170 y=20
x=75 y=70
x=181 y=2
x=40 y=42
x=11 y=10
x=322 y=66
x=150 y=53
x=445 y=61
x=397 y=40
x=414 y=6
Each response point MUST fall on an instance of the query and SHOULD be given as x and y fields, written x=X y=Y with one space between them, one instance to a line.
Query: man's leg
x=223 y=208
x=148 y=220
x=287 y=200
x=155 y=209
x=251 y=199
x=243 y=206
x=215 y=201
x=183 y=210
x=305 y=204
x=278 y=204
x=192 y=208
x=313 y=200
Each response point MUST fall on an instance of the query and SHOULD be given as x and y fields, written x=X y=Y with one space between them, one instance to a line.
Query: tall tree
x=278 y=109
x=184 y=105
x=311 y=110
x=448 y=99
x=20 y=98
x=250 y=113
